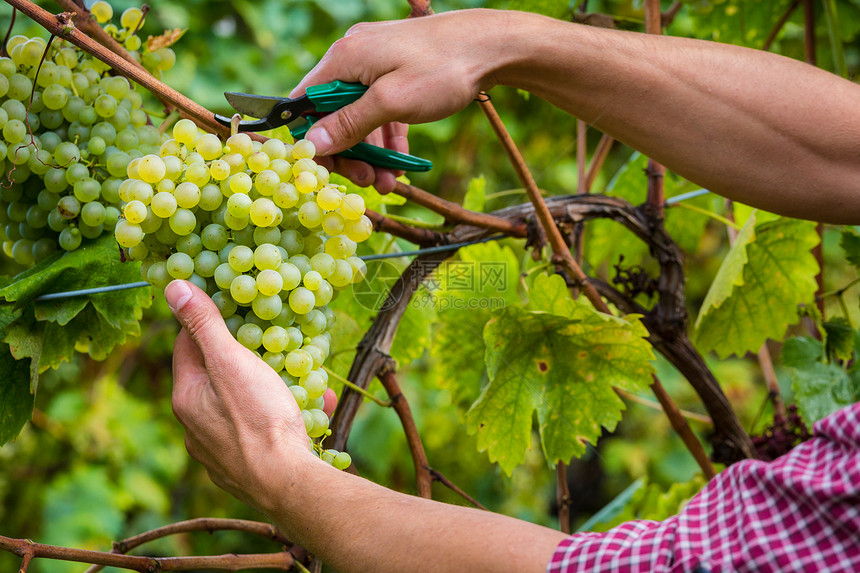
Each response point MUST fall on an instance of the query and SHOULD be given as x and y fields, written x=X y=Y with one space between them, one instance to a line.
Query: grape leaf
x=476 y=194
x=16 y=407
x=820 y=388
x=758 y=299
x=731 y=270
x=562 y=365
x=464 y=292
x=840 y=339
x=850 y=243
x=25 y=341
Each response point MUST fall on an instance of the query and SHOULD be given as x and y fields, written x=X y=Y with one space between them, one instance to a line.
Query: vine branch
x=228 y=562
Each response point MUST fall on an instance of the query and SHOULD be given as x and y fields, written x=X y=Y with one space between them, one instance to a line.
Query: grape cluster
x=258 y=227
x=69 y=130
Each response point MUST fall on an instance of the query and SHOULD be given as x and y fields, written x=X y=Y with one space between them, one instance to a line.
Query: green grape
x=93 y=214
x=69 y=207
x=329 y=198
x=258 y=161
x=342 y=461
x=239 y=204
x=314 y=383
x=264 y=235
x=324 y=264
x=87 y=190
x=163 y=204
x=224 y=275
x=240 y=143
x=219 y=170
x=269 y=282
x=264 y=213
x=340 y=247
x=342 y=274
x=267 y=307
x=139 y=252
x=320 y=421
x=310 y=215
x=210 y=198
x=298 y=363
x=20 y=87
x=359 y=269
x=14 y=131
x=275 y=360
x=151 y=168
x=127 y=234
x=305 y=182
x=209 y=146
x=185 y=132
x=131 y=18
x=117 y=163
x=198 y=174
x=182 y=221
x=190 y=244
x=37 y=218
x=205 y=263
x=303 y=149
x=55 y=97
x=139 y=191
x=352 y=207
x=96 y=145
x=105 y=105
x=300 y=394
x=240 y=182
x=90 y=232
x=267 y=256
x=312 y=280
x=70 y=239
x=117 y=86
x=243 y=289
x=187 y=195
x=358 y=230
x=302 y=262
x=132 y=43
x=250 y=336
x=168 y=58
x=233 y=322
x=285 y=195
x=266 y=182
x=315 y=353
x=214 y=237
x=180 y=266
x=241 y=259
x=301 y=300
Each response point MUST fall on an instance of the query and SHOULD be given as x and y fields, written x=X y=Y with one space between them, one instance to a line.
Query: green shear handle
x=333 y=96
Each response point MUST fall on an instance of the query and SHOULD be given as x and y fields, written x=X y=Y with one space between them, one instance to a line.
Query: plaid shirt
x=800 y=512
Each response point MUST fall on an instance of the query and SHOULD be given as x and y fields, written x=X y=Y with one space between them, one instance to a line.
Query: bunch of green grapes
x=258 y=227
x=69 y=130
x=155 y=61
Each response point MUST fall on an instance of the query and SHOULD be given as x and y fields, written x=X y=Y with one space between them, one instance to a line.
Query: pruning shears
x=298 y=114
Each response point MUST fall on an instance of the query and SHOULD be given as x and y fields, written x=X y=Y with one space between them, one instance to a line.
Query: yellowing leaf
x=165 y=40
x=755 y=299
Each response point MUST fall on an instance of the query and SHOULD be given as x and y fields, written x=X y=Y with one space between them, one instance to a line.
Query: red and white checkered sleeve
x=799 y=513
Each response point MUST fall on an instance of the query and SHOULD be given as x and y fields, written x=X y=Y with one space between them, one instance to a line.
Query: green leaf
x=850 y=243
x=476 y=194
x=819 y=388
x=25 y=341
x=840 y=339
x=731 y=271
x=753 y=300
x=16 y=405
x=465 y=291
x=563 y=366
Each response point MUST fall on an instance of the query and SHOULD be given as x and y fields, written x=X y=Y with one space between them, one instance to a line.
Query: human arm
x=244 y=426
x=753 y=126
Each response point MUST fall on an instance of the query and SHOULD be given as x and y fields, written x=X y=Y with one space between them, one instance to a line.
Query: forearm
x=356 y=525
x=753 y=126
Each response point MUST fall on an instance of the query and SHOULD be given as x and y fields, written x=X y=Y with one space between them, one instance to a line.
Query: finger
x=189 y=374
x=330 y=400
x=350 y=124
x=200 y=317
x=385 y=181
x=358 y=172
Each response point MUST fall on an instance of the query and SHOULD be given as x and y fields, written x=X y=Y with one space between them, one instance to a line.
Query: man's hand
x=408 y=79
x=241 y=421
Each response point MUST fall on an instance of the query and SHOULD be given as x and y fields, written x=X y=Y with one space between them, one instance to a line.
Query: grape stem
x=356 y=388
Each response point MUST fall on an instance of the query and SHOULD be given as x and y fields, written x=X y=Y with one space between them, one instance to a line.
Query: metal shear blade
x=273 y=111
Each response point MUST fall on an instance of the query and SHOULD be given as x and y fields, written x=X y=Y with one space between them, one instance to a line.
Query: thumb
x=198 y=315
x=349 y=125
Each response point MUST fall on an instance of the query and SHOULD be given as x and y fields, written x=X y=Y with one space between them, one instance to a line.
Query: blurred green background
x=104 y=458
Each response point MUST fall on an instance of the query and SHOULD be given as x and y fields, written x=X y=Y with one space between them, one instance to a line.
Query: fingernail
x=320 y=138
x=177 y=294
